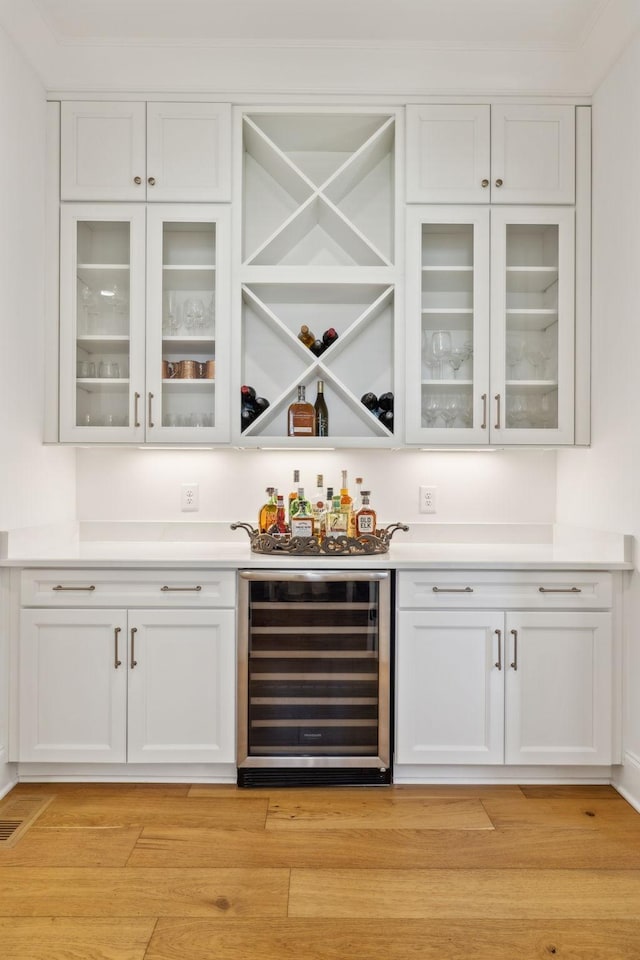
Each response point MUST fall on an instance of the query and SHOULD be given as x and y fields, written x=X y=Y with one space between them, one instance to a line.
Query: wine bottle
x=306 y=336
x=370 y=401
x=301 y=416
x=366 y=517
x=321 y=413
x=386 y=417
x=317 y=347
x=329 y=336
x=385 y=401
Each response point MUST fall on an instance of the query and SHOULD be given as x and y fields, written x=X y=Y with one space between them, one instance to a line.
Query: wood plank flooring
x=188 y=872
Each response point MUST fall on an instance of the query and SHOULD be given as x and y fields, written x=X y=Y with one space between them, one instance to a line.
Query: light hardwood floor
x=195 y=872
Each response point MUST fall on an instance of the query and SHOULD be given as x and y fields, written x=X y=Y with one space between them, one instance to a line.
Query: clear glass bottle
x=301 y=521
x=281 y=527
x=346 y=503
x=337 y=519
x=366 y=519
x=318 y=506
x=301 y=416
x=355 y=506
x=321 y=412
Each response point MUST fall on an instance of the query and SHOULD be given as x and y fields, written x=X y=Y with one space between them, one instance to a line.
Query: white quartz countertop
x=469 y=546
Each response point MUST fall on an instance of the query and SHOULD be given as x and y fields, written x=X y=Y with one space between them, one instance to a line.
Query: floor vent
x=17 y=815
x=313 y=777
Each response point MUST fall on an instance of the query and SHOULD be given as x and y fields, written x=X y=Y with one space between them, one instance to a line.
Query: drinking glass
x=458 y=356
x=514 y=353
x=428 y=356
x=430 y=409
x=441 y=347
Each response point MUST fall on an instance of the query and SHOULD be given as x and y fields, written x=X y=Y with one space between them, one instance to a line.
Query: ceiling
x=412 y=47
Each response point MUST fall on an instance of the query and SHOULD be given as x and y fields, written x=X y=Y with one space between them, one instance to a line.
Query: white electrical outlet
x=189 y=497
x=427 y=499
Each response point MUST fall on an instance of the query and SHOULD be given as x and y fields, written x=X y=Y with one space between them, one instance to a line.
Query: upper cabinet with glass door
x=144 y=360
x=156 y=152
x=499 y=153
x=318 y=248
x=490 y=325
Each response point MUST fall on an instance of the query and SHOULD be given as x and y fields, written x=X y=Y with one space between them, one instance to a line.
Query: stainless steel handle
x=514 y=662
x=60 y=587
x=559 y=590
x=137 y=181
x=151 y=181
x=483 y=425
x=151 y=423
x=116 y=662
x=175 y=589
x=497 y=399
x=498 y=662
x=498 y=182
x=452 y=589
x=133 y=662
x=485 y=183
x=136 y=414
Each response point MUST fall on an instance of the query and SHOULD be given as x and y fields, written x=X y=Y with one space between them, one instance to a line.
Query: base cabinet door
x=558 y=705
x=450 y=687
x=73 y=686
x=181 y=686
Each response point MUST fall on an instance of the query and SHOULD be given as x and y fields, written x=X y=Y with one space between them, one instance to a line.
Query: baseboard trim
x=626 y=779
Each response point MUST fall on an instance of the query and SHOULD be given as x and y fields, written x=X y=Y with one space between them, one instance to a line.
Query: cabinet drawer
x=504 y=589
x=128 y=588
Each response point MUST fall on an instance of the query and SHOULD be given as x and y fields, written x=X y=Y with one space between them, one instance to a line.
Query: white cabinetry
x=155 y=151
x=144 y=332
x=482 y=685
x=317 y=228
x=101 y=684
x=490 y=328
x=500 y=153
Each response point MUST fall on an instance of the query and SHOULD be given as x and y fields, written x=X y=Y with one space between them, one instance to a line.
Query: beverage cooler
x=314 y=677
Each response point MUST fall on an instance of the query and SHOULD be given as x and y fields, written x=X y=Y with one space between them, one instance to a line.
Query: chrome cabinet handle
x=137 y=181
x=136 y=414
x=483 y=425
x=498 y=662
x=60 y=587
x=514 y=662
x=559 y=590
x=497 y=399
x=151 y=423
x=484 y=183
x=151 y=181
x=175 y=589
x=452 y=589
x=498 y=182
x=133 y=662
x=116 y=661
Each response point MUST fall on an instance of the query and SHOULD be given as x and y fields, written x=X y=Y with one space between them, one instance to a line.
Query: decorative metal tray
x=311 y=546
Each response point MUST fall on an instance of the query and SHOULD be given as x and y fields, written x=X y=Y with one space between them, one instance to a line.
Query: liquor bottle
x=366 y=517
x=280 y=527
x=355 y=506
x=321 y=412
x=329 y=336
x=268 y=511
x=306 y=336
x=346 y=503
x=319 y=509
x=301 y=417
x=294 y=493
x=337 y=520
x=301 y=521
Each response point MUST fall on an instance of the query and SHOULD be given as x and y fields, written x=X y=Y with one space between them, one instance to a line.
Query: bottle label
x=337 y=525
x=364 y=523
x=302 y=527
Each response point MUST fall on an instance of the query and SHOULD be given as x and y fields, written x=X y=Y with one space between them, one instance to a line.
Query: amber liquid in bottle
x=267 y=515
x=365 y=517
x=301 y=417
x=306 y=336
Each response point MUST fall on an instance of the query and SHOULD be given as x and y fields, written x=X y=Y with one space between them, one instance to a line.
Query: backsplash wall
x=120 y=485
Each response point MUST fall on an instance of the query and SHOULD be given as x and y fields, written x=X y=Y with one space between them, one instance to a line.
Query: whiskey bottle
x=301 y=417
x=268 y=511
x=346 y=503
x=301 y=521
x=306 y=336
x=366 y=517
x=321 y=413
x=355 y=506
x=337 y=520
x=319 y=509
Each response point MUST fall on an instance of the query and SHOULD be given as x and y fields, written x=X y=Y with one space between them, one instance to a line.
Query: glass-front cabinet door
x=102 y=304
x=143 y=354
x=447 y=325
x=490 y=325
x=187 y=350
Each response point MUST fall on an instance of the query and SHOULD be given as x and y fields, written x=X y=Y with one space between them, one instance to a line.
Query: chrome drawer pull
x=133 y=662
x=60 y=587
x=175 y=589
x=452 y=589
x=498 y=662
x=559 y=590
x=116 y=660
x=514 y=662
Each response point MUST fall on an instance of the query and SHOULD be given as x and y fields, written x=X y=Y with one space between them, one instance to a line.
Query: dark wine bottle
x=329 y=336
x=247 y=416
x=247 y=393
x=317 y=347
x=386 y=417
x=370 y=401
x=321 y=412
x=260 y=404
x=385 y=401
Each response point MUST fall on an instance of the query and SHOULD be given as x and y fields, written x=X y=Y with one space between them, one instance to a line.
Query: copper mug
x=205 y=369
x=188 y=369
x=170 y=369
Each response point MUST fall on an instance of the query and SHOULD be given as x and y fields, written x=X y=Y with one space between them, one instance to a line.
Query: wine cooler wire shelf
x=267 y=543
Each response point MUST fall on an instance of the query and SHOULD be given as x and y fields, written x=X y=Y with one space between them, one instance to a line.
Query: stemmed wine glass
x=428 y=356
x=441 y=346
x=430 y=409
x=458 y=356
x=514 y=354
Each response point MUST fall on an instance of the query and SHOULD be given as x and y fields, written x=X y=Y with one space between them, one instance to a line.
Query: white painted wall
x=600 y=486
x=144 y=485
x=37 y=483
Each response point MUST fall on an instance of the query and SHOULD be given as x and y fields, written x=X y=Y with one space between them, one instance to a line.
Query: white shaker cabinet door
x=181 y=686
x=559 y=688
x=532 y=153
x=450 y=687
x=73 y=686
x=103 y=151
